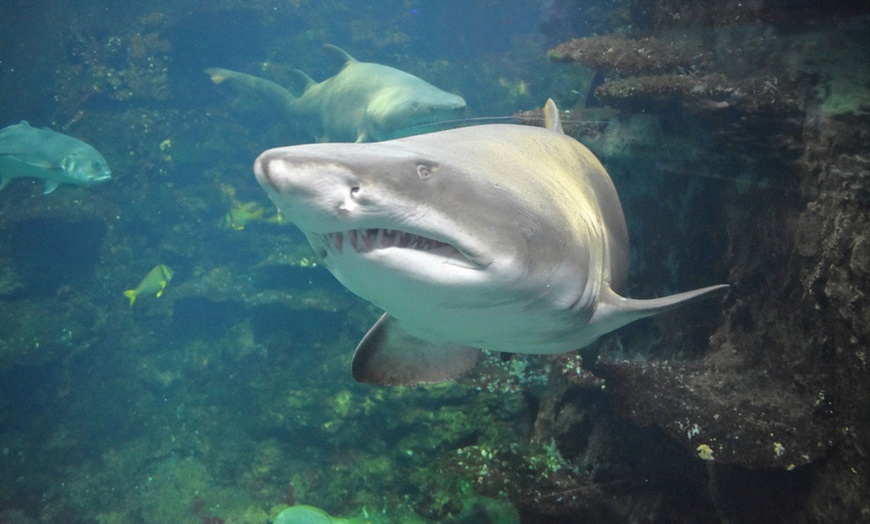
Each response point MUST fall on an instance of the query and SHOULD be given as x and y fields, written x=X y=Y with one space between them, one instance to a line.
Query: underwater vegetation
x=736 y=136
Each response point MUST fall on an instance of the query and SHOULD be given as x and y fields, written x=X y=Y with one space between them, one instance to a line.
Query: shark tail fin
x=253 y=85
x=389 y=356
x=614 y=311
x=131 y=294
x=216 y=75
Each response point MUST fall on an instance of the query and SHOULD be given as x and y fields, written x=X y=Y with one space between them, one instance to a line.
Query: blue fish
x=26 y=151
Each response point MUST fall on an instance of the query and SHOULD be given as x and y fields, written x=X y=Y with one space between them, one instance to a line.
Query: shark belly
x=512 y=318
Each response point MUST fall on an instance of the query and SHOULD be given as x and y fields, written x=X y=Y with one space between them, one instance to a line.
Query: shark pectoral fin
x=50 y=185
x=387 y=355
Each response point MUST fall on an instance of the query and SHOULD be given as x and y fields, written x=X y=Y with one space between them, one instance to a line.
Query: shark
x=364 y=102
x=497 y=237
x=27 y=151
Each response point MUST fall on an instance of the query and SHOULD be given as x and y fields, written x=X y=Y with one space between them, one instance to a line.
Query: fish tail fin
x=216 y=75
x=131 y=294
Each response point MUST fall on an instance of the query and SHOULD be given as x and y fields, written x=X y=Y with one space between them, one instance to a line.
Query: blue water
x=230 y=397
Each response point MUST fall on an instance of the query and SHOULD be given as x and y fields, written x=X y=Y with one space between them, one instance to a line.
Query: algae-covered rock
x=10 y=282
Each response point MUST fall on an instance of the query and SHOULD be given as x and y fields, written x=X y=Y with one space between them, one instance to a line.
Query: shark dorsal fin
x=339 y=53
x=552 y=120
x=307 y=80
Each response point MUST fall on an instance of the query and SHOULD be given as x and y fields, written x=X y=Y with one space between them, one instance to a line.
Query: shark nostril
x=263 y=174
x=276 y=186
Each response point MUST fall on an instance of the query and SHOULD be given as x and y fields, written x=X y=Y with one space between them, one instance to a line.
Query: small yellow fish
x=237 y=217
x=154 y=282
x=166 y=149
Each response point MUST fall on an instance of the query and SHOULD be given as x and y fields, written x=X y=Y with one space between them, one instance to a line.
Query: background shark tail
x=253 y=85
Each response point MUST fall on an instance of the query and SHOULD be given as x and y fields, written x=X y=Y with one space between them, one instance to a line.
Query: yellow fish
x=237 y=217
x=154 y=282
x=244 y=212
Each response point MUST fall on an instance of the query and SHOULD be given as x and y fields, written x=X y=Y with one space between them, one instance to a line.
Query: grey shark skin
x=496 y=237
x=26 y=151
x=364 y=102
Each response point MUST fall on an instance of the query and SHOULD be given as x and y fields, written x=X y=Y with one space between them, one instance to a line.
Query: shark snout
x=278 y=173
x=293 y=172
x=454 y=107
x=263 y=175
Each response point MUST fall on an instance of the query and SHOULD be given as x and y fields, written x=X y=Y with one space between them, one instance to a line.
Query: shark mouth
x=369 y=240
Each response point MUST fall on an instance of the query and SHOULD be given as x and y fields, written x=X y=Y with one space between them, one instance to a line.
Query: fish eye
x=415 y=104
x=424 y=172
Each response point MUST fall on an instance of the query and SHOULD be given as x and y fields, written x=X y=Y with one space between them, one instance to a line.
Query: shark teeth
x=365 y=240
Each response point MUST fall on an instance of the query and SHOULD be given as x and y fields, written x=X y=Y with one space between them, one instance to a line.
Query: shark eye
x=354 y=192
x=423 y=172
